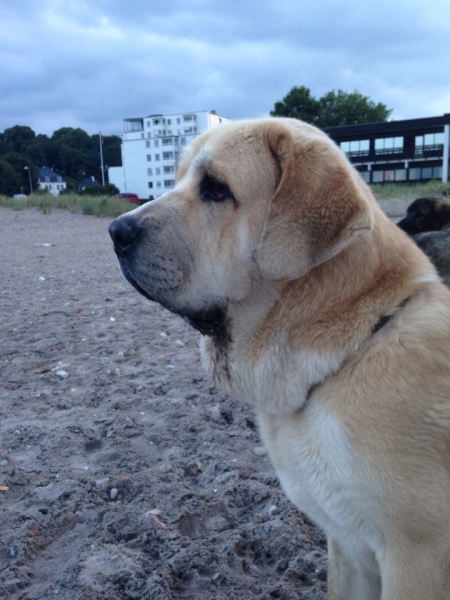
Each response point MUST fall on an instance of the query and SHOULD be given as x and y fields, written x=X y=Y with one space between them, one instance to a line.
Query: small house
x=51 y=181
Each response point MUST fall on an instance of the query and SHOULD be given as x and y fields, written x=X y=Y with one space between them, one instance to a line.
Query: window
x=167 y=155
x=188 y=118
x=427 y=173
x=156 y=143
x=148 y=123
x=377 y=176
x=149 y=157
x=389 y=145
x=149 y=171
x=156 y=156
x=365 y=176
x=158 y=184
x=429 y=142
x=147 y=144
x=168 y=182
x=133 y=125
x=167 y=141
x=356 y=147
x=389 y=175
x=150 y=184
x=156 y=121
x=169 y=169
x=414 y=174
x=169 y=121
x=437 y=172
x=142 y=135
x=178 y=121
x=157 y=171
x=183 y=141
x=400 y=174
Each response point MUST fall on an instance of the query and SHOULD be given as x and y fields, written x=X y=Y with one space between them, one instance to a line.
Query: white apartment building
x=151 y=147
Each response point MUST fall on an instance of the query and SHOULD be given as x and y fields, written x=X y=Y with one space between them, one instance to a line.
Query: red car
x=133 y=198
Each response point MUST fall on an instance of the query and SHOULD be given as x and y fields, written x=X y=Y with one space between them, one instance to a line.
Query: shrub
x=100 y=190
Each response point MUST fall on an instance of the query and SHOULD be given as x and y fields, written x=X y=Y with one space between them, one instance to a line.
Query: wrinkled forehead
x=218 y=149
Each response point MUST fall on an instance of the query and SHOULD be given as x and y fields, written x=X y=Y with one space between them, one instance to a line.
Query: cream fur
x=302 y=264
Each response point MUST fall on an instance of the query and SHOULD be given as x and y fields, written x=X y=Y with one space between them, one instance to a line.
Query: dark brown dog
x=436 y=245
x=426 y=214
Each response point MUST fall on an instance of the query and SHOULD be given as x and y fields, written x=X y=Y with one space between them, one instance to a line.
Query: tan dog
x=323 y=315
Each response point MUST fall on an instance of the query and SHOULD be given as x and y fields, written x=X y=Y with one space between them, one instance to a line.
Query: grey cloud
x=92 y=64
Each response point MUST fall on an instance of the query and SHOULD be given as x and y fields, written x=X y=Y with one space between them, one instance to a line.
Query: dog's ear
x=317 y=208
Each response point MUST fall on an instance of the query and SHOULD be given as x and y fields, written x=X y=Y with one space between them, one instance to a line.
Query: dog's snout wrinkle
x=123 y=232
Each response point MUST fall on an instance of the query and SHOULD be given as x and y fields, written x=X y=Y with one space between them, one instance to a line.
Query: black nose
x=124 y=232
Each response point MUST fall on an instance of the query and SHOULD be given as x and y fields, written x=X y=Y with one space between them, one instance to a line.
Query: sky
x=93 y=63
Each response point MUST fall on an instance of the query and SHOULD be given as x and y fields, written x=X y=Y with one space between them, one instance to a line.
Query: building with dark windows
x=410 y=150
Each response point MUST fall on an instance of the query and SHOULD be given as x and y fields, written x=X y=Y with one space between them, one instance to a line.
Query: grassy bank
x=411 y=190
x=100 y=206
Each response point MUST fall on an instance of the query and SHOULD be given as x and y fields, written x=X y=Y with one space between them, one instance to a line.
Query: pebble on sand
x=154 y=521
x=102 y=484
x=259 y=450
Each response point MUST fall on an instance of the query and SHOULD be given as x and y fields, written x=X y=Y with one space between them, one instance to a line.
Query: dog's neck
x=286 y=339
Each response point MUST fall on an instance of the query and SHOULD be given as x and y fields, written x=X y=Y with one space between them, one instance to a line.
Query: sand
x=124 y=473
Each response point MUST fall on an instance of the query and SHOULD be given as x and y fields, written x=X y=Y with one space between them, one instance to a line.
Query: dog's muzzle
x=126 y=233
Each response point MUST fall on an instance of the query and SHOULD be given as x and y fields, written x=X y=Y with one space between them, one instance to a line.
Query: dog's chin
x=207 y=322
x=129 y=277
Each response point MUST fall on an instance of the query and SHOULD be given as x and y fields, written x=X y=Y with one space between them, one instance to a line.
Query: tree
x=37 y=150
x=70 y=152
x=10 y=182
x=298 y=104
x=344 y=108
x=18 y=162
x=332 y=109
x=18 y=137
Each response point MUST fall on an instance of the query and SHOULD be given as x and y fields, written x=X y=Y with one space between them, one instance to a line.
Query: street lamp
x=29 y=175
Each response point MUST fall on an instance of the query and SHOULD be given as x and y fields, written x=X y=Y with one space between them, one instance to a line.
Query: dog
x=436 y=245
x=428 y=222
x=426 y=214
x=325 y=317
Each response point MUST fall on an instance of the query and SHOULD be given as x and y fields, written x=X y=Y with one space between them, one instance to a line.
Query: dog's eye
x=211 y=189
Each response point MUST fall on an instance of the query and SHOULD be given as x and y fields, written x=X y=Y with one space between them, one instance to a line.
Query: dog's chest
x=313 y=460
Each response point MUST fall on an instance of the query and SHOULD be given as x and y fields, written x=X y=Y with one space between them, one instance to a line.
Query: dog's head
x=425 y=214
x=253 y=201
